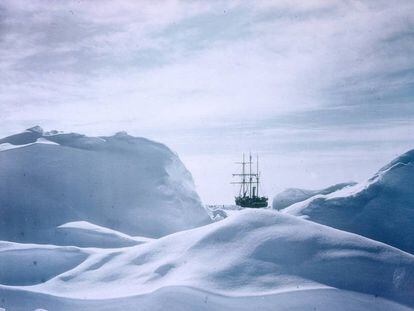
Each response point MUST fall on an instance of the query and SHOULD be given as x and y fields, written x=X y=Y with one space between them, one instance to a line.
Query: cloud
x=216 y=75
x=218 y=60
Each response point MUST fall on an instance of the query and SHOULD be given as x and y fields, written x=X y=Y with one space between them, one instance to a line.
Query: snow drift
x=92 y=196
x=190 y=299
x=294 y=195
x=85 y=234
x=25 y=264
x=254 y=258
x=381 y=208
x=125 y=183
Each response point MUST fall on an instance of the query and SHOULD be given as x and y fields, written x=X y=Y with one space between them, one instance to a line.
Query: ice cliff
x=125 y=183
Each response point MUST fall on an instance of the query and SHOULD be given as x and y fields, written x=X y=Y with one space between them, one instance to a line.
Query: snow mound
x=251 y=253
x=85 y=234
x=252 y=259
x=129 y=184
x=29 y=136
x=33 y=264
x=190 y=299
x=294 y=195
x=219 y=212
x=381 y=208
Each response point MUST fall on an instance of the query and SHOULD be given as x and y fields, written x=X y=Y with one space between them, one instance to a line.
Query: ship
x=249 y=182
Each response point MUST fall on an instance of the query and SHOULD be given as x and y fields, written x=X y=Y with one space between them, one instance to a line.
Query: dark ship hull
x=255 y=202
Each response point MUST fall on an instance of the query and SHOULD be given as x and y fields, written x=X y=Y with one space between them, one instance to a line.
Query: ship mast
x=257 y=176
x=250 y=175
x=249 y=185
x=243 y=182
x=244 y=177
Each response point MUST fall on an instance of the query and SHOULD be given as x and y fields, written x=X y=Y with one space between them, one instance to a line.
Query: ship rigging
x=249 y=185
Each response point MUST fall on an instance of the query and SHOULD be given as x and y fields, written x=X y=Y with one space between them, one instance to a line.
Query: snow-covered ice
x=382 y=208
x=119 y=182
x=85 y=234
x=294 y=195
x=251 y=254
x=114 y=223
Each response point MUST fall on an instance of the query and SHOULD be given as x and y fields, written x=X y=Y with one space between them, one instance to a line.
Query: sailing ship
x=249 y=185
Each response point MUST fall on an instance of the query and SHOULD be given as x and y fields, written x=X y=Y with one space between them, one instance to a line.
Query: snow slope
x=381 y=208
x=119 y=182
x=85 y=234
x=29 y=264
x=294 y=195
x=91 y=197
x=252 y=259
x=189 y=299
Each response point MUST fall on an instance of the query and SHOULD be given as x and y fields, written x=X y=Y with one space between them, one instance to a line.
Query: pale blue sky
x=323 y=90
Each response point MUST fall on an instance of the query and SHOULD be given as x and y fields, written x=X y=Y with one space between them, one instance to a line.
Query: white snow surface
x=119 y=182
x=252 y=259
x=294 y=195
x=382 y=208
x=85 y=234
x=77 y=213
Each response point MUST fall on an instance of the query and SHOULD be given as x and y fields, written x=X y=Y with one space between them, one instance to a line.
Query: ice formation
x=119 y=182
x=294 y=195
x=382 y=208
x=125 y=230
